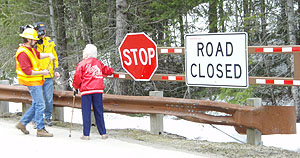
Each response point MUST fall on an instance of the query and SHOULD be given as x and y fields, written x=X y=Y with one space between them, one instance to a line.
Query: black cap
x=40 y=26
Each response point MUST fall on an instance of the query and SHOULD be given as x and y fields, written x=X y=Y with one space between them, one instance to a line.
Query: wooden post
x=156 y=120
x=254 y=135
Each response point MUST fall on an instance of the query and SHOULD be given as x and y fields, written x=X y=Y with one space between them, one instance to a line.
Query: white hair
x=90 y=51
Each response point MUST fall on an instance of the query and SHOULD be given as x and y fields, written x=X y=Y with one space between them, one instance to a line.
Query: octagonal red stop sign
x=138 y=54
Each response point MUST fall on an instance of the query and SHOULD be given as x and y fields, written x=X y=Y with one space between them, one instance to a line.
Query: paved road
x=13 y=143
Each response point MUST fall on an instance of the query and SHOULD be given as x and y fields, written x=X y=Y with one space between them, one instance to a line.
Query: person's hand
x=57 y=74
x=45 y=72
x=75 y=91
x=51 y=56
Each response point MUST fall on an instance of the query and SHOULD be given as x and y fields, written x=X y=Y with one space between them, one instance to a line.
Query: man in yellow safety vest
x=46 y=45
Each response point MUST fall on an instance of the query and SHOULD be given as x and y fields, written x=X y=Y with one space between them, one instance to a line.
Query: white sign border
x=138 y=33
x=221 y=86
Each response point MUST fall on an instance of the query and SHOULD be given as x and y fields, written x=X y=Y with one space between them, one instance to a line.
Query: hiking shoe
x=21 y=127
x=85 y=137
x=48 y=122
x=43 y=133
x=104 y=136
x=34 y=125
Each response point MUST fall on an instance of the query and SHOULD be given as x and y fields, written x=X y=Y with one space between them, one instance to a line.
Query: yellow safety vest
x=29 y=80
x=48 y=46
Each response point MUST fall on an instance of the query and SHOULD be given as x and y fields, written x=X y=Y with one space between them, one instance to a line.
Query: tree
x=105 y=23
x=52 y=21
x=62 y=41
x=121 y=31
x=87 y=20
x=212 y=16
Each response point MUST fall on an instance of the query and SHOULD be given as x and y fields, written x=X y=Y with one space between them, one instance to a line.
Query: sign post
x=217 y=60
x=139 y=57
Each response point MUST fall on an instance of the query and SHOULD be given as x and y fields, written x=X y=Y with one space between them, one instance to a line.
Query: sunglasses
x=41 y=33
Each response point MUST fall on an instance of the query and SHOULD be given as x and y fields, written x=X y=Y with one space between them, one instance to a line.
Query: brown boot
x=21 y=127
x=43 y=133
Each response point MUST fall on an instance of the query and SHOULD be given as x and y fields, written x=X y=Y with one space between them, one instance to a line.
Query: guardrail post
x=4 y=105
x=25 y=107
x=58 y=112
x=254 y=135
x=156 y=120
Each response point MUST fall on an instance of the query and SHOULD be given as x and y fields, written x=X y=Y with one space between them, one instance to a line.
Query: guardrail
x=267 y=119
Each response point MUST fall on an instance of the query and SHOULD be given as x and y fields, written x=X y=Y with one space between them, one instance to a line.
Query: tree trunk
x=283 y=17
x=263 y=19
x=246 y=15
x=111 y=24
x=222 y=18
x=74 y=24
x=212 y=16
x=181 y=29
x=88 y=20
x=292 y=41
x=62 y=44
x=121 y=20
x=236 y=16
x=52 y=22
x=121 y=31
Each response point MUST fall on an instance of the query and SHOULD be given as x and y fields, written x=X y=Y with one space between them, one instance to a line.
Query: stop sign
x=138 y=54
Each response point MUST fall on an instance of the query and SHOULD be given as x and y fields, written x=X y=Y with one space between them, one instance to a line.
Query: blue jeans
x=48 y=97
x=37 y=108
x=86 y=101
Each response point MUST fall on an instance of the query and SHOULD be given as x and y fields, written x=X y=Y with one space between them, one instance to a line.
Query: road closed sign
x=217 y=60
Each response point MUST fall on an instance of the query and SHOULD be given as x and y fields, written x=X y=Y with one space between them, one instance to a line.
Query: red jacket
x=88 y=76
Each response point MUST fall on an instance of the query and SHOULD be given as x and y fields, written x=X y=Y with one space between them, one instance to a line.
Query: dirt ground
x=230 y=150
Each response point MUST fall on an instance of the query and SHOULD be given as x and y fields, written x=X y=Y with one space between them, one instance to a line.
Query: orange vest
x=29 y=80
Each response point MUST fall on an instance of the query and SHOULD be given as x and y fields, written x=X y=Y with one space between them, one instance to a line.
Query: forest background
x=74 y=23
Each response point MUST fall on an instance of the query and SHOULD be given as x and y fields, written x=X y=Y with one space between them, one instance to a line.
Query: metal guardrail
x=267 y=119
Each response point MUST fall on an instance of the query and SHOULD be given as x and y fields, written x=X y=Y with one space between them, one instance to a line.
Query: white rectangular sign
x=217 y=60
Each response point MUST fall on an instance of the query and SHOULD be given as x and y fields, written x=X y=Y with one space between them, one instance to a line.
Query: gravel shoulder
x=175 y=142
x=231 y=150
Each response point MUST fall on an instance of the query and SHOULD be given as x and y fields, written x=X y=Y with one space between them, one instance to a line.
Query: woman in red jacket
x=88 y=79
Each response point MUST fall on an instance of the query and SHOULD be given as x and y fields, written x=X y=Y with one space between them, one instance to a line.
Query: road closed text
x=217 y=60
x=220 y=70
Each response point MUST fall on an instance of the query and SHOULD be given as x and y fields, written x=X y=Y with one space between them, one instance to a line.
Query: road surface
x=13 y=143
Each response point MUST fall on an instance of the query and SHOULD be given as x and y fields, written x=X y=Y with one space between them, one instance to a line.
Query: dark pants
x=86 y=101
